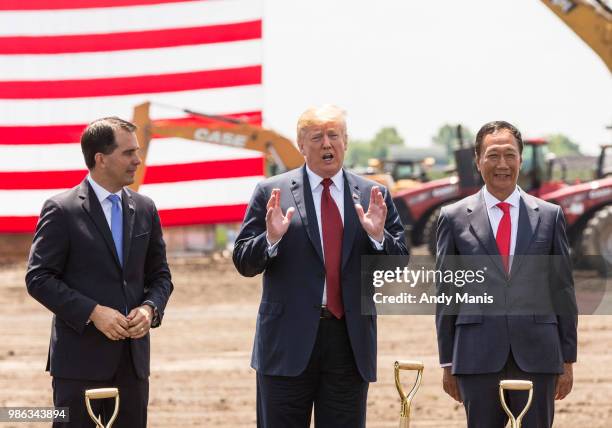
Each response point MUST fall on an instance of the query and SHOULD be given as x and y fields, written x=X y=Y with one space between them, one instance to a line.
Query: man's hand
x=564 y=382
x=373 y=221
x=449 y=383
x=277 y=223
x=140 y=319
x=110 y=322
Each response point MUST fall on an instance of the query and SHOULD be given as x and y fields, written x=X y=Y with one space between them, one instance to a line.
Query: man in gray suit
x=510 y=229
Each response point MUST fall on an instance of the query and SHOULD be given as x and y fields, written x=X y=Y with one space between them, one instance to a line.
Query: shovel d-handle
x=515 y=385
x=98 y=394
x=406 y=399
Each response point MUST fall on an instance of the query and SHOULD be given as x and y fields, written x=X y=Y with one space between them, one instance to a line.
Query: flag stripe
x=154 y=174
x=64 y=22
x=184 y=194
x=131 y=63
x=61 y=134
x=169 y=217
x=130 y=40
x=68 y=157
x=84 y=110
x=77 y=4
x=131 y=85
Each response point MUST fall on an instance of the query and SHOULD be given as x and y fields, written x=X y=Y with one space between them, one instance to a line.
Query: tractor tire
x=596 y=244
x=429 y=232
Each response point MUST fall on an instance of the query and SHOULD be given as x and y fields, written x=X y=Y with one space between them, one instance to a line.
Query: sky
x=416 y=65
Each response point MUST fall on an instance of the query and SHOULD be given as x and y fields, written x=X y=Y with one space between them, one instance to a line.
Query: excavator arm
x=278 y=150
x=591 y=20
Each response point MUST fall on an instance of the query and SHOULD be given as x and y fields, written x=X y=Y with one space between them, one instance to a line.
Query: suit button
x=124 y=283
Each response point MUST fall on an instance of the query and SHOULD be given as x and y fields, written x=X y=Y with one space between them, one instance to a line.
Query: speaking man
x=98 y=262
x=512 y=233
x=306 y=230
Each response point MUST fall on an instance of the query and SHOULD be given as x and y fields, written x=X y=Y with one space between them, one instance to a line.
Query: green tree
x=562 y=145
x=383 y=139
x=359 y=151
x=447 y=137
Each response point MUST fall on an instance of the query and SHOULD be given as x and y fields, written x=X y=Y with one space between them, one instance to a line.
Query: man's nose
x=326 y=142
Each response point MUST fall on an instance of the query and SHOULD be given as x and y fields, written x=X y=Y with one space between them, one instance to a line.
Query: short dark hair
x=99 y=137
x=493 y=127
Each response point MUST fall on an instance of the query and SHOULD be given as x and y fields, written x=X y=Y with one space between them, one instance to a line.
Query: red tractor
x=587 y=206
x=419 y=207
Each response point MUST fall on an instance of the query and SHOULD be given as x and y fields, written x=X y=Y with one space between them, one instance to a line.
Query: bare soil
x=200 y=357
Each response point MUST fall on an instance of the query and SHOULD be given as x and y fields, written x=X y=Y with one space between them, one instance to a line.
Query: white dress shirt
x=102 y=195
x=336 y=191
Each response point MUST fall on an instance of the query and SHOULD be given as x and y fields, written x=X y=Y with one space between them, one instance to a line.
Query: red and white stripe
x=64 y=63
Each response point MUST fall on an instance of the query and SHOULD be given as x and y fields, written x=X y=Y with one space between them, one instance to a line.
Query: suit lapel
x=352 y=195
x=128 y=222
x=529 y=220
x=302 y=195
x=92 y=207
x=480 y=226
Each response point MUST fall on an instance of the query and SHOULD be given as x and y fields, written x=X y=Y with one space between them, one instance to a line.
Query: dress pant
x=330 y=382
x=133 y=394
x=480 y=394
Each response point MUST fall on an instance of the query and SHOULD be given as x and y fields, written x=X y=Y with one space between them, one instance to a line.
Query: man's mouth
x=327 y=157
x=502 y=175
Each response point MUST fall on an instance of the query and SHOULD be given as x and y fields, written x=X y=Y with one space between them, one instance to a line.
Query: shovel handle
x=409 y=365
x=100 y=393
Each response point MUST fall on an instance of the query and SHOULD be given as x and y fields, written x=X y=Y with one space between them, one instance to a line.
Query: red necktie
x=503 y=234
x=331 y=224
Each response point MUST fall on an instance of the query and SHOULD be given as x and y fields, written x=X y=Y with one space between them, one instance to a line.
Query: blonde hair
x=317 y=116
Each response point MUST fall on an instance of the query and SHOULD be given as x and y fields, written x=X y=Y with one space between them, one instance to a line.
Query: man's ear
x=478 y=163
x=98 y=159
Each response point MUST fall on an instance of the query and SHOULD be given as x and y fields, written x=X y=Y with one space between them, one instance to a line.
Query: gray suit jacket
x=540 y=340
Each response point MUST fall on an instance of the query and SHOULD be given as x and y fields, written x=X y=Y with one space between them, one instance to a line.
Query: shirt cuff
x=377 y=245
x=155 y=320
x=446 y=365
x=272 y=248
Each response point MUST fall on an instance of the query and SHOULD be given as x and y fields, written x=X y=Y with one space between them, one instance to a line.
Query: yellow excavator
x=591 y=20
x=280 y=153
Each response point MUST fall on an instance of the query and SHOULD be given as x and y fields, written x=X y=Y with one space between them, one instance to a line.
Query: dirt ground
x=200 y=357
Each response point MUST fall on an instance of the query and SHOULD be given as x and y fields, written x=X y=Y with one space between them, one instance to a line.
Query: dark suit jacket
x=540 y=340
x=293 y=280
x=73 y=266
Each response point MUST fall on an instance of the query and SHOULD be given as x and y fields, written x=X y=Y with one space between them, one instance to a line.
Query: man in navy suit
x=514 y=234
x=98 y=262
x=306 y=230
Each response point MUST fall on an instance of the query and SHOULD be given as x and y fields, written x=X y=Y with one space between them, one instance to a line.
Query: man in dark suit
x=98 y=262
x=522 y=242
x=306 y=230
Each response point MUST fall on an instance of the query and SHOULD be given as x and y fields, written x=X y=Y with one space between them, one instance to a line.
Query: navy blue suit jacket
x=293 y=279
x=540 y=342
x=74 y=265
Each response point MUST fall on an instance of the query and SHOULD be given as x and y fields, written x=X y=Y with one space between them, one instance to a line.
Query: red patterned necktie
x=331 y=225
x=503 y=234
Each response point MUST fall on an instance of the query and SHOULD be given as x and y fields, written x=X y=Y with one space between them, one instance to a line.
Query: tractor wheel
x=429 y=232
x=596 y=243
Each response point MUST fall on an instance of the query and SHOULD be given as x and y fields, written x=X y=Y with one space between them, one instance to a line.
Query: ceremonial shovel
x=407 y=399
x=96 y=394
x=515 y=385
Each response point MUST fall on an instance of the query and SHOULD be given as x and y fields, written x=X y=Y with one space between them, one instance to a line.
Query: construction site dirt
x=200 y=356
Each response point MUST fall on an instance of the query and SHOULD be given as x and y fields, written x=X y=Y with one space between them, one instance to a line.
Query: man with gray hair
x=98 y=262
x=306 y=231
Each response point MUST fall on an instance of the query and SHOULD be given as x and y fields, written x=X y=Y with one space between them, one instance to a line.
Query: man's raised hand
x=373 y=221
x=277 y=223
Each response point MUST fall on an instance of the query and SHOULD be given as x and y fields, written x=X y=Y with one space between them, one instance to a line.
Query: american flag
x=64 y=63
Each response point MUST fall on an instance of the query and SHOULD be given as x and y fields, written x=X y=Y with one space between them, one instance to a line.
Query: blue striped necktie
x=117 y=225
